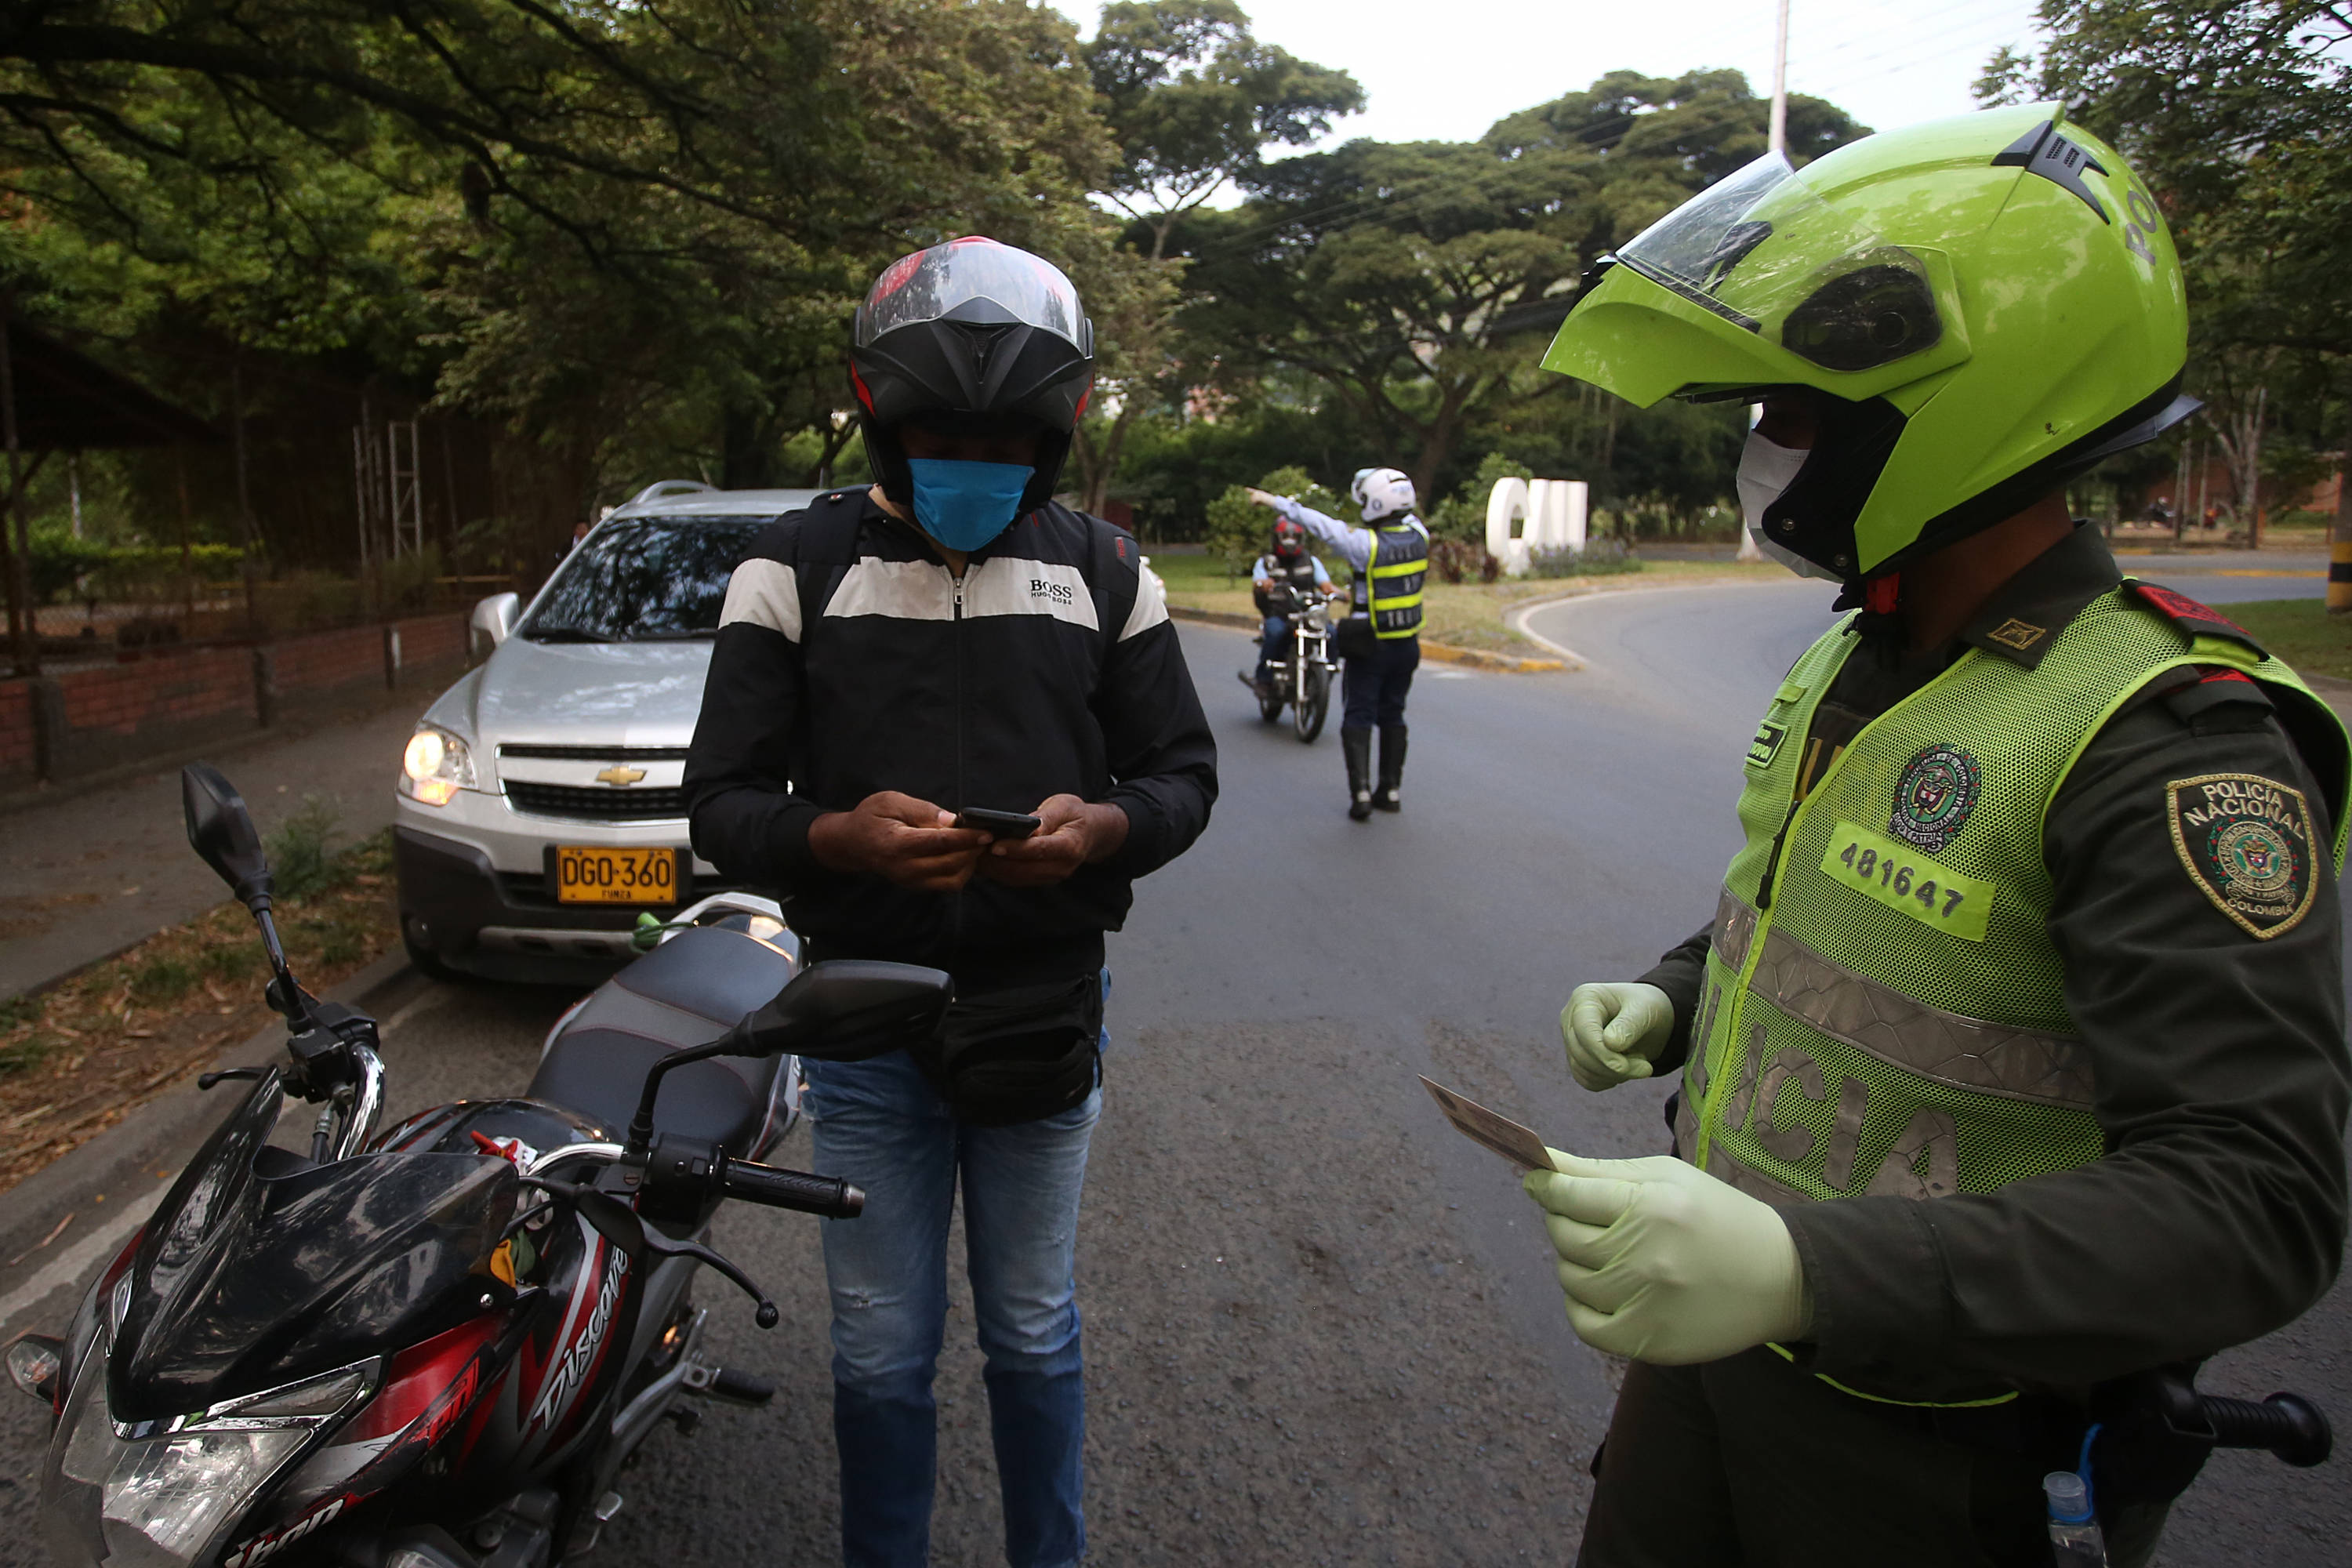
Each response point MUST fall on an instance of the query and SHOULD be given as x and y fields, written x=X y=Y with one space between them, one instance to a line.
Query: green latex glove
x=1613 y=1031
x=1662 y=1263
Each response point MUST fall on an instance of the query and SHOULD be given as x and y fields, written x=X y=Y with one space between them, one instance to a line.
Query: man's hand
x=899 y=838
x=1613 y=1032
x=1663 y=1263
x=1070 y=832
x=1265 y=498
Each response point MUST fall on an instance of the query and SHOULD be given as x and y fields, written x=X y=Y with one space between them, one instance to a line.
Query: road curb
x=60 y=1219
x=1446 y=653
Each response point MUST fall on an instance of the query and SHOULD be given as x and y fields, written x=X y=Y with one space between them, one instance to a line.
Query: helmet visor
x=1765 y=252
x=953 y=277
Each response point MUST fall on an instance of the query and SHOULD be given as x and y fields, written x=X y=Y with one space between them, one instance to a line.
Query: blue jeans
x=1274 y=643
x=879 y=1124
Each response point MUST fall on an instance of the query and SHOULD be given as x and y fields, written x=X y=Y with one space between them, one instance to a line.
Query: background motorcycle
x=435 y=1348
x=1303 y=680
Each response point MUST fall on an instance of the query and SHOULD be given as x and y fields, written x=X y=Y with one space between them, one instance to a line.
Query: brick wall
x=328 y=660
x=125 y=712
x=160 y=709
x=18 y=755
x=431 y=640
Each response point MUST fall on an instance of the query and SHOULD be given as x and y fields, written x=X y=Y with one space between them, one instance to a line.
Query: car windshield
x=643 y=578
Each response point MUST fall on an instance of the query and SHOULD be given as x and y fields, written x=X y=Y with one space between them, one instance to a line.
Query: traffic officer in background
x=1379 y=640
x=2013 y=1060
x=1282 y=582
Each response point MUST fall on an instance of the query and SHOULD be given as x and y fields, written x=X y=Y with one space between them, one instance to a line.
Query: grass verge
x=1464 y=615
x=2299 y=631
x=77 y=1059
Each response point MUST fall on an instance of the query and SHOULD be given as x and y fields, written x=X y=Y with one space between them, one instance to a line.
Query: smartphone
x=1003 y=824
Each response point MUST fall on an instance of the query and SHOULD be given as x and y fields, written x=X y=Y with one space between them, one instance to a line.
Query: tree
x=1193 y=100
x=2238 y=113
x=1415 y=283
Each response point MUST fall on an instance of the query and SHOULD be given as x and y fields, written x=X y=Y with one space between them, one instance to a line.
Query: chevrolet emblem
x=620 y=775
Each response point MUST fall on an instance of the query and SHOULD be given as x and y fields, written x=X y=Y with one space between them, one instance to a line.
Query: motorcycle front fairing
x=255 y=1315
x=260 y=1268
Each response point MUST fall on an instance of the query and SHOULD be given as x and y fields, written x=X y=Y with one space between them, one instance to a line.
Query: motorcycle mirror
x=846 y=1010
x=221 y=831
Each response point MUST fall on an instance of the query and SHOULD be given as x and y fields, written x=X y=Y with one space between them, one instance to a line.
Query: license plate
x=585 y=875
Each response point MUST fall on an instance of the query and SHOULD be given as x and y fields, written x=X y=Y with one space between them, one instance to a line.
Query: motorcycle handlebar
x=780 y=1189
x=2290 y=1427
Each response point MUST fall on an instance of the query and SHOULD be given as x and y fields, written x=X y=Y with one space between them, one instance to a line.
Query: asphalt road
x=1321 y=1327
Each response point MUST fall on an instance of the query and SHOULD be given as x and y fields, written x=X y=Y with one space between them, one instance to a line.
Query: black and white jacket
x=850 y=660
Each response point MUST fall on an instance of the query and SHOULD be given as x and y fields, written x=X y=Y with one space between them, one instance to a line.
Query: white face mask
x=1767 y=469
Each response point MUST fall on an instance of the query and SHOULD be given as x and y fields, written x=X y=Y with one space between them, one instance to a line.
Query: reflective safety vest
x=1882 y=1011
x=1392 y=585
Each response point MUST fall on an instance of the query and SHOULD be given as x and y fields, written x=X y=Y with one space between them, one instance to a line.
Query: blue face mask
x=965 y=505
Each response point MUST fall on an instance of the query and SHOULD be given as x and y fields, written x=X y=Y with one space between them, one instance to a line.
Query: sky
x=1446 y=70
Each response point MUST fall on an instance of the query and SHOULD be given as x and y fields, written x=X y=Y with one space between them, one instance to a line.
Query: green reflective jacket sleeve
x=2217 y=1213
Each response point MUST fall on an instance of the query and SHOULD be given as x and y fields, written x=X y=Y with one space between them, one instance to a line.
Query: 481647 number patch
x=1902 y=879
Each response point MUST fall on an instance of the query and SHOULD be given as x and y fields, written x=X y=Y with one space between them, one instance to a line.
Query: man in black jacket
x=888 y=661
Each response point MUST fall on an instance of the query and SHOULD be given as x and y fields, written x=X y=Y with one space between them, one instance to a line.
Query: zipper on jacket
x=955 y=922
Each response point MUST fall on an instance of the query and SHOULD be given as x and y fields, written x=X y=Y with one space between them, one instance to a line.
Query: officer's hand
x=1070 y=832
x=1613 y=1032
x=900 y=838
x=1265 y=498
x=1665 y=1264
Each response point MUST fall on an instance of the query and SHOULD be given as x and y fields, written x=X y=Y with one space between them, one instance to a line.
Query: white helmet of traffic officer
x=1382 y=492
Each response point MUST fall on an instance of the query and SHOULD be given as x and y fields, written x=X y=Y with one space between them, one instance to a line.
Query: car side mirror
x=846 y=1010
x=493 y=622
x=221 y=831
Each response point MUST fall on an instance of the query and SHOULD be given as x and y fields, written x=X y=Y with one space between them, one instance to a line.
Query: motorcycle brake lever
x=765 y=1316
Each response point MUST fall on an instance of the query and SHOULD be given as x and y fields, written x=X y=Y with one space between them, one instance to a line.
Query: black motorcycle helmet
x=974 y=334
x=1289 y=540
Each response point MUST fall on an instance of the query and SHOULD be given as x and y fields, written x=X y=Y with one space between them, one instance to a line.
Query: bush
x=1452 y=560
x=1603 y=557
x=63 y=565
x=301 y=855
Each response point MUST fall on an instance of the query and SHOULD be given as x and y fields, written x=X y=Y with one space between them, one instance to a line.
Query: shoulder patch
x=2197 y=620
x=2248 y=844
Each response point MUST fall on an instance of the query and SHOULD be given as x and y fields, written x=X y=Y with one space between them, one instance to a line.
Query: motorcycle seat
x=684 y=993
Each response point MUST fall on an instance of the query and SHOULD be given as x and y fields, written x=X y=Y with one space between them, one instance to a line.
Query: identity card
x=1506 y=1137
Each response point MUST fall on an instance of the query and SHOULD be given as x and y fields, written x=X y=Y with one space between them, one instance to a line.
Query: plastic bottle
x=2074 y=1538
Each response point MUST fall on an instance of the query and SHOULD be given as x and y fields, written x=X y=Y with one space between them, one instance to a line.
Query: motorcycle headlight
x=436 y=765
x=162 y=1494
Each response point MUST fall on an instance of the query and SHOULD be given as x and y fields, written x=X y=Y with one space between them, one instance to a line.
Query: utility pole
x=1777 y=138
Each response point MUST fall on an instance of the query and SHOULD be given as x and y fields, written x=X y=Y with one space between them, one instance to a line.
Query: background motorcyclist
x=1280 y=582
x=1380 y=641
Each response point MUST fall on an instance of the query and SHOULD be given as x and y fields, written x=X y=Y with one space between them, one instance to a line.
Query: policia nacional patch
x=2247 y=842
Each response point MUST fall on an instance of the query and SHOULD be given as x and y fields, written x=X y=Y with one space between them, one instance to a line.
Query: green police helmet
x=1991 y=303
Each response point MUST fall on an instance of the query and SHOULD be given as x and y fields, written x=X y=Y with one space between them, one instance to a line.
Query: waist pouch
x=1020 y=1054
x=1355 y=638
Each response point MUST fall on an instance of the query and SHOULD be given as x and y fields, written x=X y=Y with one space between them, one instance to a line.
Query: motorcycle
x=1302 y=681
x=437 y=1347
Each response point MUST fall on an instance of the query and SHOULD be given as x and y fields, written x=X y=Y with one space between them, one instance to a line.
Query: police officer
x=2013 y=1060
x=1280 y=583
x=1380 y=641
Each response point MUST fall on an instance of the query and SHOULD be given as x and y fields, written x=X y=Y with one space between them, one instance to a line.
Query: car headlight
x=436 y=765
x=162 y=1494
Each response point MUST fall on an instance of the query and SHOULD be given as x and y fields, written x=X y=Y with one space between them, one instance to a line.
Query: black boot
x=1384 y=798
x=1356 y=745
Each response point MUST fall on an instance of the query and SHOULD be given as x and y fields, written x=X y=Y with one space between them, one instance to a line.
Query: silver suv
x=541 y=808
